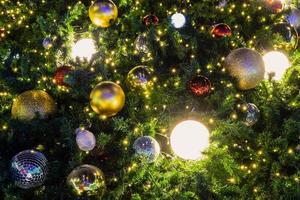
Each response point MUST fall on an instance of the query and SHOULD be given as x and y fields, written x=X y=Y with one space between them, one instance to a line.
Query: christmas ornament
x=84 y=49
x=275 y=6
x=47 y=43
x=189 y=139
x=29 y=169
x=222 y=4
x=150 y=20
x=85 y=139
x=61 y=74
x=178 y=20
x=87 y=180
x=221 y=30
x=140 y=77
x=247 y=66
x=251 y=114
x=103 y=13
x=199 y=85
x=32 y=102
x=276 y=63
x=293 y=17
x=147 y=147
x=284 y=37
x=107 y=99
x=141 y=44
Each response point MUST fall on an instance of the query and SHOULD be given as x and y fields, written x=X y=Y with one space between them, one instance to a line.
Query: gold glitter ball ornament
x=31 y=103
x=107 y=99
x=103 y=13
x=247 y=66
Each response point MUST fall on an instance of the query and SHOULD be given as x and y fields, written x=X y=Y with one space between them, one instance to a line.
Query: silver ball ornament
x=252 y=114
x=147 y=147
x=247 y=66
x=85 y=139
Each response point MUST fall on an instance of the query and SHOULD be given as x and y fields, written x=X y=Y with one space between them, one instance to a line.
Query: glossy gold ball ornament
x=31 y=103
x=107 y=99
x=247 y=66
x=103 y=13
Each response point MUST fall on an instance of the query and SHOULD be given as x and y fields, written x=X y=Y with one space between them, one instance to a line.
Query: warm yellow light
x=276 y=64
x=189 y=139
x=84 y=49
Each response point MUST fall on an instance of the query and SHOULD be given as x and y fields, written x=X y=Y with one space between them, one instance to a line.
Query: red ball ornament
x=60 y=74
x=150 y=20
x=199 y=85
x=275 y=5
x=221 y=30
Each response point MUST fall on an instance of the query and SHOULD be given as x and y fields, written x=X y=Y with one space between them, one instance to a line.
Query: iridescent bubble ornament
x=247 y=66
x=199 y=85
x=85 y=139
x=284 y=36
x=221 y=30
x=140 y=77
x=251 y=114
x=32 y=102
x=147 y=147
x=103 y=13
x=107 y=99
x=29 y=169
x=87 y=180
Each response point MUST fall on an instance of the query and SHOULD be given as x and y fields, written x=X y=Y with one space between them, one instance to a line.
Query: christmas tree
x=174 y=99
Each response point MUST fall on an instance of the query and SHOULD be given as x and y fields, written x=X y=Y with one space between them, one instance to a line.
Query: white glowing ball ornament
x=178 y=20
x=84 y=49
x=276 y=63
x=189 y=139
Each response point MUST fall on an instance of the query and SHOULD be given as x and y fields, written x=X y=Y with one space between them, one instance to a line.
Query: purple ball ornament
x=85 y=139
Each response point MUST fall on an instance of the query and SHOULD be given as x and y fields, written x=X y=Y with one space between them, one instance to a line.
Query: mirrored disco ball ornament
x=85 y=139
x=251 y=114
x=284 y=36
x=247 y=66
x=141 y=44
x=103 y=13
x=87 y=180
x=140 y=77
x=29 y=169
x=107 y=99
x=147 y=147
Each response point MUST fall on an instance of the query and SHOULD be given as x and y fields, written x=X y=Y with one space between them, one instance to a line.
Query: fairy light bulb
x=84 y=49
x=189 y=139
x=276 y=63
x=178 y=20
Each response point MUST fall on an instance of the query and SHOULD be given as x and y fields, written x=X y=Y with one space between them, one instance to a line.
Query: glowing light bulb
x=276 y=64
x=84 y=49
x=178 y=20
x=189 y=139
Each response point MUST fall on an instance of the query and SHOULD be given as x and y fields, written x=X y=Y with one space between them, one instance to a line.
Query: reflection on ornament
x=140 y=78
x=32 y=102
x=221 y=30
x=252 y=114
x=141 y=44
x=47 y=43
x=87 y=180
x=107 y=99
x=150 y=20
x=178 y=20
x=247 y=66
x=103 y=13
x=85 y=139
x=147 y=147
x=276 y=63
x=29 y=169
x=189 y=139
x=60 y=75
x=84 y=49
x=285 y=36
x=199 y=85
x=293 y=17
